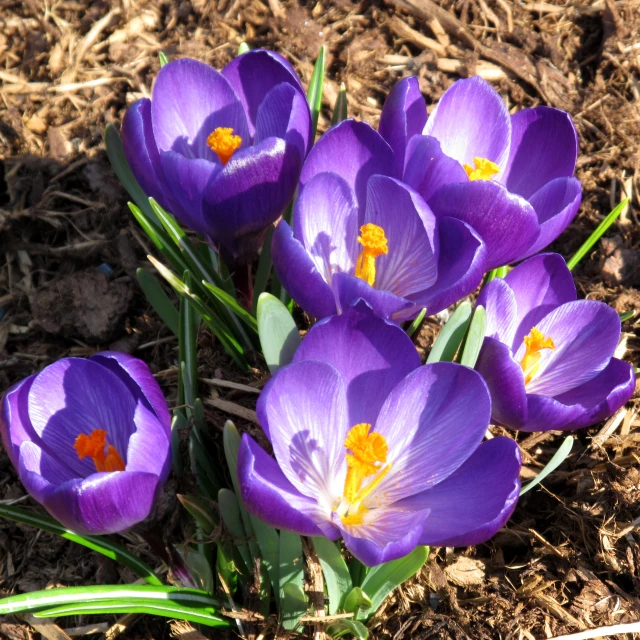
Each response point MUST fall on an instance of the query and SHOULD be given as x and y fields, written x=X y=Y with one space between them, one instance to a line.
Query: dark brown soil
x=570 y=557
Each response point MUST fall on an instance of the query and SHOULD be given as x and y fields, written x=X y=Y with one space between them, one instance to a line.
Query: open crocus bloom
x=548 y=358
x=90 y=440
x=509 y=177
x=222 y=150
x=371 y=446
x=360 y=232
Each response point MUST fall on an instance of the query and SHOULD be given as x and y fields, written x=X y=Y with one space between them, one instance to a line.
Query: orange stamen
x=484 y=169
x=224 y=143
x=374 y=244
x=534 y=343
x=93 y=446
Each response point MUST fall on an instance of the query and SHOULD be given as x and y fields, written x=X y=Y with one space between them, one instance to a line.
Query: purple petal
x=427 y=167
x=307 y=418
x=349 y=289
x=299 y=275
x=470 y=121
x=15 y=424
x=461 y=266
x=103 y=503
x=139 y=380
x=74 y=396
x=355 y=152
x=505 y=380
x=388 y=535
x=433 y=421
x=544 y=146
x=284 y=113
x=539 y=285
x=186 y=182
x=254 y=74
x=41 y=472
x=371 y=354
x=471 y=505
x=251 y=192
x=149 y=449
x=268 y=494
x=585 y=405
x=507 y=224
x=556 y=205
x=326 y=223
x=404 y=115
x=501 y=308
x=409 y=225
x=585 y=333
x=141 y=151
x=190 y=100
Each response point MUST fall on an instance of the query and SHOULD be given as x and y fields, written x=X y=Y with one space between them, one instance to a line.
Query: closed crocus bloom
x=548 y=358
x=90 y=440
x=222 y=150
x=509 y=177
x=373 y=447
x=360 y=232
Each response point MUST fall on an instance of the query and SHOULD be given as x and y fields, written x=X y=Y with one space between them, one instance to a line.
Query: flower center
x=484 y=169
x=94 y=446
x=367 y=458
x=534 y=343
x=374 y=244
x=224 y=143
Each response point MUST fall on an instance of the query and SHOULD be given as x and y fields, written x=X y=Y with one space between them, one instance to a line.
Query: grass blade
x=158 y=299
x=558 y=458
x=475 y=338
x=293 y=600
x=340 y=107
x=597 y=234
x=243 y=48
x=451 y=335
x=279 y=335
x=314 y=94
x=336 y=573
x=162 y=56
x=413 y=327
x=232 y=305
x=96 y=543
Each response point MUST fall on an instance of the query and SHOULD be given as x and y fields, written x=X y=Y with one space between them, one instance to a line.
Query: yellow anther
x=374 y=244
x=367 y=457
x=93 y=446
x=534 y=343
x=224 y=143
x=484 y=169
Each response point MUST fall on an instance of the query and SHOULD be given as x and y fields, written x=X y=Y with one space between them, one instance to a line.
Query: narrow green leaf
x=120 y=165
x=626 y=316
x=232 y=518
x=225 y=566
x=158 y=299
x=279 y=336
x=264 y=270
x=413 y=327
x=269 y=544
x=475 y=338
x=384 y=578
x=187 y=347
x=291 y=579
x=357 y=600
x=96 y=543
x=201 y=510
x=178 y=422
x=358 y=571
x=451 y=335
x=231 y=304
x=558 y=458
x=340 y=107
x=499 y=272
x=347 y=626
x=314 y=94
x=243 y=48
x=163 y=58
x=294 y=604
x=335 y=570
x=597 y=234
x=200 y=568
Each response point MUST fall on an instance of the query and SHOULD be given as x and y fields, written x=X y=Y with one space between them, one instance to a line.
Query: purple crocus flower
x=360 y=232
x=548 y=358
x=222 y=150
x=508 y=177
x=90 y=440
x=371 y=446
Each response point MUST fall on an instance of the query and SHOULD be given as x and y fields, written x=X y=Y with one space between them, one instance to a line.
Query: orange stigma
x=374 y=244
x=368 y=458
x=484 y=169
x=534 y=343
x=224 y=143
x=93 y=446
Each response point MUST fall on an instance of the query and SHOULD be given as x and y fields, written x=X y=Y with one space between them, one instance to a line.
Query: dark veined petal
x=253 y=74
x=471 y=120
x=501 y=309
x=556 y=205
x=190 y=100
x=544 y=146
x=371 y=354
x=355 y=152
x=507 y=224
x=404 y=115
x=299 y=275
x=418 y=420
x=268 y=494
x=505 y=379
x=15 y=425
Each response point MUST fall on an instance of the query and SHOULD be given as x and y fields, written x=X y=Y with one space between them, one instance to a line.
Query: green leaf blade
x=451 y=335
x=279 y=335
